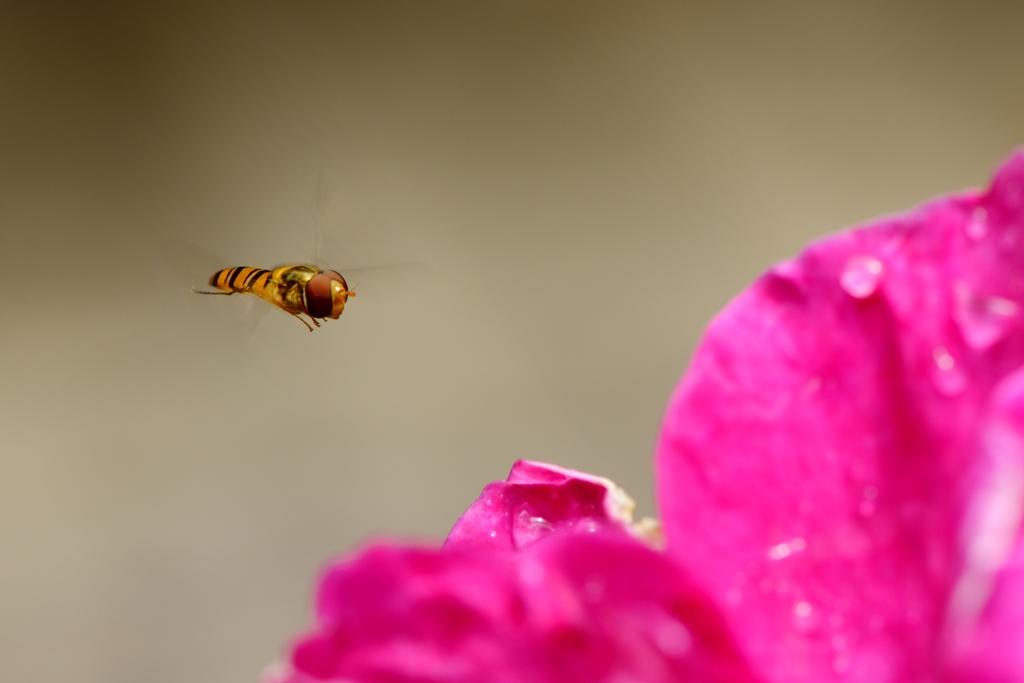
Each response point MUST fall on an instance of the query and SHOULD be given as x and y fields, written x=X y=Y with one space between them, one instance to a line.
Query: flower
x=846 y=446
x=544 y=579
x=840 y=480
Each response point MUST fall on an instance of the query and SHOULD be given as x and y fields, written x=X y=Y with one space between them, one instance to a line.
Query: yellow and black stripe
x=241 y=279
x=293 y=289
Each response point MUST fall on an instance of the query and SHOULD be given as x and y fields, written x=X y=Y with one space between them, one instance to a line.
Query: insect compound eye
x=318 y=296
x=336 y=276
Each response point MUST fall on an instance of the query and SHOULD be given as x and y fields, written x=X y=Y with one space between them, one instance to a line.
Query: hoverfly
x=294 y=289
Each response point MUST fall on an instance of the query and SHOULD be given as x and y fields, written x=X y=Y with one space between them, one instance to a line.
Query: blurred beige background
x=588 y=182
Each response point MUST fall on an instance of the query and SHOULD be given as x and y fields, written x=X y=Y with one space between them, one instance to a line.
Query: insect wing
x=191 y=267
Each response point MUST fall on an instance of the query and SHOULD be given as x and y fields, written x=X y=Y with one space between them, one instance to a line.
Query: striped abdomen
x=241 y=279
x=294 y=289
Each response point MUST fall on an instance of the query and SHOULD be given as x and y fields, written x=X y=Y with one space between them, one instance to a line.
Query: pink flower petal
x=819 y=460
x=995 y=654
x=536 y=499
x=577 y=608
x=584 y=602
x=986 y=612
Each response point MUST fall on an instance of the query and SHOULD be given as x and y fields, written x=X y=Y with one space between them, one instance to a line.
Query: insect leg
x=303 y=321
x=199 y=291
x=271 y=300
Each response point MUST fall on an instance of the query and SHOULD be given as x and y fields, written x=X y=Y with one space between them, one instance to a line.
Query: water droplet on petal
x=805 y=618
x=673 y=638
x=947 y=376
x=977 y=227
x=861 y=276
x=983 y=320
x=943 y=361
x=782 y=550
x=528 y=528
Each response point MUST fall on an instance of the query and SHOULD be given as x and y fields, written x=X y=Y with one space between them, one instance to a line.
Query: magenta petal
x=986 y=643
x=587 y=608
x=584 y=601
x=817 y=463
x=536 y=499
x=995 y=653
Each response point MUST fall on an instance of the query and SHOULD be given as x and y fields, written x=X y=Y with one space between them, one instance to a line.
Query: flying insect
x=294 y=289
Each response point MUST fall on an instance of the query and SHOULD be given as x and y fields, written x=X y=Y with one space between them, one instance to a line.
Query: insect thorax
x=291 y=282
